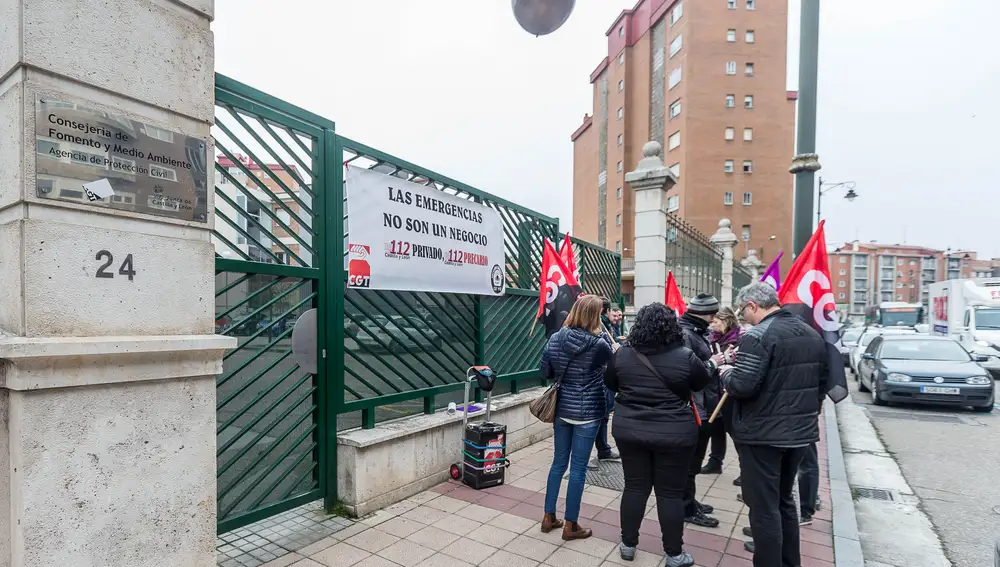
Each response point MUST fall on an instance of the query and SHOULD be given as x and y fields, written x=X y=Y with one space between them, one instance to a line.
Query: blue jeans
x=573 y=444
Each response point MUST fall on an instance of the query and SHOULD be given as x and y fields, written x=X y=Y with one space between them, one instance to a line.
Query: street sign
x=97 y=158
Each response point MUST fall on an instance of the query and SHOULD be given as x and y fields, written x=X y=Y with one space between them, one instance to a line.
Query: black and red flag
x=558 y=290
x=808 y=292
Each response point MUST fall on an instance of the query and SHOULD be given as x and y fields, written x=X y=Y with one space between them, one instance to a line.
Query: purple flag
x=773 y=273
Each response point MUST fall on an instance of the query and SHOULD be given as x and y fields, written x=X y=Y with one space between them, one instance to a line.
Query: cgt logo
x=824 y=307
x=359 y=271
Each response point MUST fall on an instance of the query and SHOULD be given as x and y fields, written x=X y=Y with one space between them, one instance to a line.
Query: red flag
x=674 y=299
x=808 y=293
x=569 y=259
x=558 y=290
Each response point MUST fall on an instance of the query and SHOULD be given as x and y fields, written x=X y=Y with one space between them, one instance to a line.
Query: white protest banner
x=411 y=237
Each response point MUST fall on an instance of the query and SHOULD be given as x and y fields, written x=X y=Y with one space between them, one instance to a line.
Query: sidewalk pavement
x=452 y=525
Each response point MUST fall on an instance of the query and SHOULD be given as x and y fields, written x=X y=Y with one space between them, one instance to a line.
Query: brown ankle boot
x=549 y=523
x=572 y=530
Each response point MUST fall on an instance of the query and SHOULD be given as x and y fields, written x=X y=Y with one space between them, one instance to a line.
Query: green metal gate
x=271 y=194
x=281 y=243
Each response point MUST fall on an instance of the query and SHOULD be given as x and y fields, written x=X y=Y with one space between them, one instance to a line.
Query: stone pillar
x=752 y=263
x=724 y=240
x=651 y=180
x=107 y=349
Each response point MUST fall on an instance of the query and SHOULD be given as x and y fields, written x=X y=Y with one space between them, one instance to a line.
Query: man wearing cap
x=694 y=329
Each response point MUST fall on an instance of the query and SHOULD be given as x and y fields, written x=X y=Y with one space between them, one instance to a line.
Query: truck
x=894 y=314
x=968 y=310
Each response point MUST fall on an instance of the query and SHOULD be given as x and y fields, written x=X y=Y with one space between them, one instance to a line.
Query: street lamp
x=850 y=196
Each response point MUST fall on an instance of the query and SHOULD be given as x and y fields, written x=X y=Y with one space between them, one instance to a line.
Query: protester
x=694 y=327
x=575 y=357
x=809 y=484
x=604 y=450
x=776 y=387
x=617 y=319
x=654 y=426
x=725 y=333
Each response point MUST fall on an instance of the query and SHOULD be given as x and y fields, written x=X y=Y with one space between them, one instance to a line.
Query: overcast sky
x=905 y=109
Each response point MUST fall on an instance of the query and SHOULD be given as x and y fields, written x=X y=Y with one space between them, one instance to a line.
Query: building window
x=842 y=295
x=620 y=138
x=727 y=198
x=748 y=134
x=749 y=70
x=745 y=233
x=747 y=198
x=730 y=132
x=843 y=259
x=676 y=170
x=675 y=77
x=159 y=134
x=751 y=4
x=748 y=101
x=899 y=262
x=621 y=113
x=750 y=36
x=619 y=167
x=899 y=297
x=732 y=4
x=676 y=45
x=618 y=246
x=731 y=36
x=728 y=167
x=899 y=274
x=730 y=67
x=618 y=219
x=621 y=31
x=842 y=283
x=619 y=194
x=673 y=141
x=621 y=58
x=730 y=101
x=843 y=272
x=747 y=166
x=621 y=85
x=675 y=109
x=673 y=203
x=913 y=262
x=676 y=13
x=899 y=285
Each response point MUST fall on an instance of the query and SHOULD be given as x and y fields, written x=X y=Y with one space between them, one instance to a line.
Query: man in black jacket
x=694 y=331
x=776 y=388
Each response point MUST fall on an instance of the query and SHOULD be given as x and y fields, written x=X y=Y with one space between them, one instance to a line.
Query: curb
x=846 y=542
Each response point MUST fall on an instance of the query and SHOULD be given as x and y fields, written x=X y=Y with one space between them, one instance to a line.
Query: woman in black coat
x=655 y=426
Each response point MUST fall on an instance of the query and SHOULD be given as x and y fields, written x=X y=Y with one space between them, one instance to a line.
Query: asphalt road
x=951 y=459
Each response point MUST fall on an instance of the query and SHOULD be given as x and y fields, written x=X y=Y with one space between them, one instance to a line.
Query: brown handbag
x=544 y=407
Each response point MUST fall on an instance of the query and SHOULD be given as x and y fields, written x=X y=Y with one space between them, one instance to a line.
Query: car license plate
x=938 y=390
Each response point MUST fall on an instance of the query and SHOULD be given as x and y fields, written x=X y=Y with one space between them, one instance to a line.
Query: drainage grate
x=918 y=417
x=872 y=493
x=609 y=474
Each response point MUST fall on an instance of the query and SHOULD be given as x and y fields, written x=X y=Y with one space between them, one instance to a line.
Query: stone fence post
x=752 y=263
x=724 y=240
x=651 y=180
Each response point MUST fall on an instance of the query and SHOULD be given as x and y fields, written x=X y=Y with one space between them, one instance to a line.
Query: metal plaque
x=92 y=157
x=304 y=342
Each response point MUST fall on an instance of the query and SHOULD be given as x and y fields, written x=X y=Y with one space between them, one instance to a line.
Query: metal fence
x=741 y=279
x=694 y=261
x=269 y=189
x=281 y=244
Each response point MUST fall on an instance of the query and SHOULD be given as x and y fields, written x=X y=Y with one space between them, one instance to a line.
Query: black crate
x=484 y=455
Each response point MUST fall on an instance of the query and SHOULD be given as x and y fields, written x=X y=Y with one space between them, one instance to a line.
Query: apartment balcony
x=628 y=268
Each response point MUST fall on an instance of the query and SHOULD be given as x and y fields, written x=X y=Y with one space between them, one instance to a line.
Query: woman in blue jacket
x=575 y=358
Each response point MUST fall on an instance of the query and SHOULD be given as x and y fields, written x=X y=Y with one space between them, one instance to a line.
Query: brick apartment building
x=865 y=274
x=706 y=80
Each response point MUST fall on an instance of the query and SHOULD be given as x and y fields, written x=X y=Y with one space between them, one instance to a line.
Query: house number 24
x=125 y=269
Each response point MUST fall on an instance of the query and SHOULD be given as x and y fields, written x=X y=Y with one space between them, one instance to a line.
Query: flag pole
x=718 y=407
x=533 y=323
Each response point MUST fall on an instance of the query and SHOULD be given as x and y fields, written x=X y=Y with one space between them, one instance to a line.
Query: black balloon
x=542 y=17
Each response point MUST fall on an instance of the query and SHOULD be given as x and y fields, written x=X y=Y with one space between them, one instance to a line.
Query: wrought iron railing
x=694 y=261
